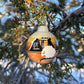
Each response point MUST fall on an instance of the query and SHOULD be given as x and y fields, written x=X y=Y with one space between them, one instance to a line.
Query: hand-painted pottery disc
x=42 y=46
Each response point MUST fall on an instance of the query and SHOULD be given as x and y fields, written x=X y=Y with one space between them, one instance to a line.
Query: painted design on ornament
x=39 y=43
x=49 y=42
x=36 y=46
x=42 y=46
x=48 y=51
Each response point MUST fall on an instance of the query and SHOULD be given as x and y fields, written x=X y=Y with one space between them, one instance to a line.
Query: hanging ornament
x=42 y=46
x=28 y=1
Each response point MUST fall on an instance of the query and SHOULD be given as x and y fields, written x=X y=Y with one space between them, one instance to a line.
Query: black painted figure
x=50 y=43
x=36 y=46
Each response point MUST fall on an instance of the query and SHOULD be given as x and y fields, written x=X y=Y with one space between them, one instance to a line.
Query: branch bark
x=69 y=19
x=25 y=68
x=56 y=7
x=64 y=55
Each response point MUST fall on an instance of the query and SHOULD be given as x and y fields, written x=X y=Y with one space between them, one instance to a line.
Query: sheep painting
x=48 y=51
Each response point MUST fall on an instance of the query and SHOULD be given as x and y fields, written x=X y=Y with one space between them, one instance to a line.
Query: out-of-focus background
x=19 y=19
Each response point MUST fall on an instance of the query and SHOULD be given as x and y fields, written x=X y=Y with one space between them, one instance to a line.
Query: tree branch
x=83 y=3
x=18 y=82
x=25 y=68
x=50 y=21
x=56 y=7
x=69 y=19
x=64 y=55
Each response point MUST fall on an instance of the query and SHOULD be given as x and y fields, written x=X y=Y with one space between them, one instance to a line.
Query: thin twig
x=41 y=5
x=50 y=21
x=63 y=24
x=18 y=82
x=42 y=73
x=20 y=77
x=74 y=78
x=64 y=55
x=55 y=6
x=4 y=69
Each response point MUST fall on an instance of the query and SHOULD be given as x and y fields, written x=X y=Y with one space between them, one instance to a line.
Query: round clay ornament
x=42 y=46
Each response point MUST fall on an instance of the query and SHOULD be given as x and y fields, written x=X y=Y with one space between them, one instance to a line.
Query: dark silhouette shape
x=36 y=46
x=46 y=58
x=50 y=43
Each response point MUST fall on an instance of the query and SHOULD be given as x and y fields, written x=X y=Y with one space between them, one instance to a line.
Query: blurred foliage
x=73 y=3
x=56 y=72
x=62 y=3
x=33 y=13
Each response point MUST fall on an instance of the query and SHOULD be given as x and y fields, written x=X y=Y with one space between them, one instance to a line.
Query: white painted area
x=48 y=51
x=42 y=32
x=43 y=29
